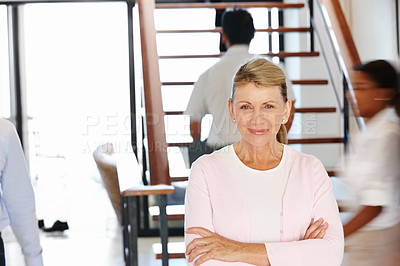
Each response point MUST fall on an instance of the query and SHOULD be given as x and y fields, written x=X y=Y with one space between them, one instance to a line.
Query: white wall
x=373 y=26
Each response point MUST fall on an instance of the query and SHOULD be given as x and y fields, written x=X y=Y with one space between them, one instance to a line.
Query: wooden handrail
x=228 y=5
x=310 y=82
x=157 y=146
x=347 y=48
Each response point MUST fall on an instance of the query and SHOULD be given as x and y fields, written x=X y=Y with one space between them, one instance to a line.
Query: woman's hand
x=213 y=246
x=316 y=230
x=210 y=246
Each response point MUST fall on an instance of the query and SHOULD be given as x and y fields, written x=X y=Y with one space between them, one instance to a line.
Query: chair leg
x=129 y=230
x=163 y=228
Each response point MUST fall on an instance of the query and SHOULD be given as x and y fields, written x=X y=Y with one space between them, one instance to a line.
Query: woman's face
x=258 y=112
x=370 y=98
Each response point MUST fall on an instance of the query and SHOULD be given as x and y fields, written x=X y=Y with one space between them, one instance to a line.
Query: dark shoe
x=41 y=224
x=57 y=226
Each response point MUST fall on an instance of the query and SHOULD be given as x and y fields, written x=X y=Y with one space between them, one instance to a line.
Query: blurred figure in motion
x=372 y=172
x=17 y=201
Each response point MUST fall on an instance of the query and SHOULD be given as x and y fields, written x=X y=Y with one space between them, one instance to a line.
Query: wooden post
x=157 y=146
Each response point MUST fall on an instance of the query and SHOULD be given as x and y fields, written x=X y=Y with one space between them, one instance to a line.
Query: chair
x=120 y=178
x=105 y=160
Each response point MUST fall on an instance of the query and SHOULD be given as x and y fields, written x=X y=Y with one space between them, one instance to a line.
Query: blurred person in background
x=17 y=201
x=372 y=172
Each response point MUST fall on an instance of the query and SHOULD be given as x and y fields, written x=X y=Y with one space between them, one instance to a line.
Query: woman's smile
x=258 y=131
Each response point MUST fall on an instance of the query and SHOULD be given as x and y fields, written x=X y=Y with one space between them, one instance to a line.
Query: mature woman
x=252 y=202
x=373 y=170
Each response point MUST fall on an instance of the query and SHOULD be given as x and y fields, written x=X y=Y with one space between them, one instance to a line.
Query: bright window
x=77 y=84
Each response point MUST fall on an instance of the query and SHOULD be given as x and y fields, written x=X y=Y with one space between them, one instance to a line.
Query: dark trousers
x=2 y=255
x=198 y=148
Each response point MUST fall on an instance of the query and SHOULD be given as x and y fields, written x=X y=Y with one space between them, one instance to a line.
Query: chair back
x=105 y=161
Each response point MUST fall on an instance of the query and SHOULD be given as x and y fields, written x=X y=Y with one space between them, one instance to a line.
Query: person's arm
x=195 y=129
x=18 y=197
x=213 y=246
x=362 y=218
x=199 y=227
x=204 y=244
x=198 y=209
x=327 y=251
x=197 y=108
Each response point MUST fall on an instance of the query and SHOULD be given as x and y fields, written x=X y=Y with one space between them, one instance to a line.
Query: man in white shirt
x=213 y=88
x=17 y=201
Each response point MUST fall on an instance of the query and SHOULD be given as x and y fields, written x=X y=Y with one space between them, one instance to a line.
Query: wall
x=373 y=26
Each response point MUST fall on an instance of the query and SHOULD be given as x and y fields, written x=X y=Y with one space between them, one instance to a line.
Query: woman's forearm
x=362 y=218
x=212 y=246
x=255 y=254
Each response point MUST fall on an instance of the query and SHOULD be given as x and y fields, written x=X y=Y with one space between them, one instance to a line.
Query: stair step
x=178 y=178
x=228 y=5
x=294 y=82
x=280 y=54
x=219 y=30
x=298 y=110
x=310 y=82
x=317 y=140
x=316 y=110
x=176 y=250
x=331 y=173
x=174 y=212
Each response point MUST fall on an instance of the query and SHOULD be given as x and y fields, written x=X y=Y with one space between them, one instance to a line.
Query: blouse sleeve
x=327 y=251
x=198 y=210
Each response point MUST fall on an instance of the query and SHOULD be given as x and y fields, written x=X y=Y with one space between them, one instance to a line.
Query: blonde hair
x=262 y=72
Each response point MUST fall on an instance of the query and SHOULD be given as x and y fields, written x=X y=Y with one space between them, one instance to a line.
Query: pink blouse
x=214 y=201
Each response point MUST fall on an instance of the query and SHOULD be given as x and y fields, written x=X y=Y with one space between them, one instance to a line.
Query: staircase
x=167 y=130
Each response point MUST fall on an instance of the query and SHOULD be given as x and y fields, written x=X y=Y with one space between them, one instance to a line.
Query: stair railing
x=340 y=42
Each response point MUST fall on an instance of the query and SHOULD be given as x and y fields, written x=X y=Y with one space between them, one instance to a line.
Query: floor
x=94 y=235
